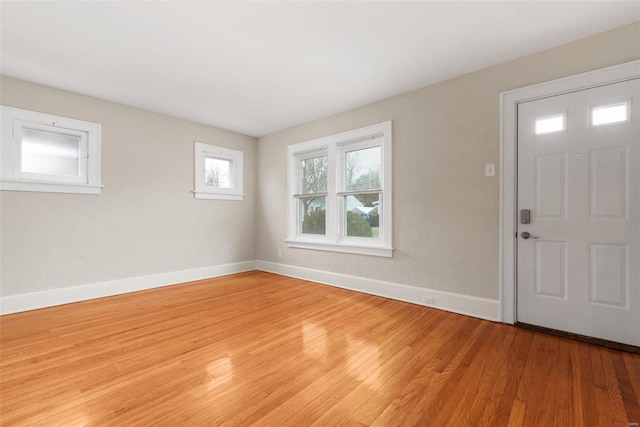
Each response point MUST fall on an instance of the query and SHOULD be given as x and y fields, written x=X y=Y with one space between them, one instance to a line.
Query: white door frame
x=508 y=160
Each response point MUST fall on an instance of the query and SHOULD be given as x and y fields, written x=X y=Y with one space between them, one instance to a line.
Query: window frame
x=12 y=178
x=335 y=238
x=236 y=170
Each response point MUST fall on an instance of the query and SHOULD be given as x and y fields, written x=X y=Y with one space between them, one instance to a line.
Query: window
x=47 y=153
x=340 y=192
x=218 y=173
x=607 y=114
x=550 y=124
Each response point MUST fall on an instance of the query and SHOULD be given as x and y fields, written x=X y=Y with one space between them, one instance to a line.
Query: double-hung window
x=47 y=153
x=340 y=192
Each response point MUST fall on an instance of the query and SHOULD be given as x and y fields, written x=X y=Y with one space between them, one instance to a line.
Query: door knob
x=526 y=235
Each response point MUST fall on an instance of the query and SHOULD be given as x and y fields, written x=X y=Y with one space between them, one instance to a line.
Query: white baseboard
x=34 y=300
x=482 y=308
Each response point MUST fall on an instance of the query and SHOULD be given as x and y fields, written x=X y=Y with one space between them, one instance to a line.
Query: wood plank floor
x=261 y=349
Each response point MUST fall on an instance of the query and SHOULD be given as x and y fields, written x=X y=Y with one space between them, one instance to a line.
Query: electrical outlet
x=279 y=253
x=428 y=300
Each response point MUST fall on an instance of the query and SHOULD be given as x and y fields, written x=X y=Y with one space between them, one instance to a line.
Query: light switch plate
x=490 y=169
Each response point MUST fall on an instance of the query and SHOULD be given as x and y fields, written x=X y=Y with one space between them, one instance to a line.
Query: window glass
x=313 y=215
x=362 y=169
x=50 y=153
x=362 y=215
x=550 y=124
x=313 y=173
x=217 y=172
x=610 y=114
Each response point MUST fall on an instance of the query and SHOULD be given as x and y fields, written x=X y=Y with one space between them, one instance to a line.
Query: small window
x=550 y=124
x=43 y=152
x=340 y=192
x=608 y=114
x=218 y=173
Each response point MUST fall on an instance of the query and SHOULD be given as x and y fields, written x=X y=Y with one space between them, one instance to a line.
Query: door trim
x=508 y=160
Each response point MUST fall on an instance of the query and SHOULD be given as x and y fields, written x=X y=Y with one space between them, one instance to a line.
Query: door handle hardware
x=526 y=235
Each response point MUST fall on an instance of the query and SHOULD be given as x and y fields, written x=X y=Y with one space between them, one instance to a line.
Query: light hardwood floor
x=261 y=349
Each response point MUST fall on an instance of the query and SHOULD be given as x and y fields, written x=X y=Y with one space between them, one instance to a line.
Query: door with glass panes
x=578 y=240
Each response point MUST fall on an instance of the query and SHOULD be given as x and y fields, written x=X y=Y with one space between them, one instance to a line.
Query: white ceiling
x=258 y=67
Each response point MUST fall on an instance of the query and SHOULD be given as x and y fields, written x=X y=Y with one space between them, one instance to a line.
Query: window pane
x=312 y=215
x=50 y=153
x=313 y=173
x=217 y=172
x=363 y=218
x=609 y=114
x=549 y=124
x=363 y=169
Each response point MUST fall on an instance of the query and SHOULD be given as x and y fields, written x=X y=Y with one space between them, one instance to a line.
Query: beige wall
x=145 y=222
x=445 y=211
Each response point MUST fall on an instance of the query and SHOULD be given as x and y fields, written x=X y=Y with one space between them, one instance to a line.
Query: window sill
x=44 y=187
x=380 y=251
x=218 y=196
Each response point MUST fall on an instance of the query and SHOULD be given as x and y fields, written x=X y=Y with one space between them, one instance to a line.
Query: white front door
x=579 y=176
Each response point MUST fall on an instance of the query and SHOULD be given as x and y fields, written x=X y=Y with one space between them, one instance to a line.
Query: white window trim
x=201 y=191
x=332 y=240
x=12 y=179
